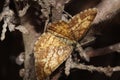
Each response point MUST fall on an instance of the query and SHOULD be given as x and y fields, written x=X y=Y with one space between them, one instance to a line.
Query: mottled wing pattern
x=80 y=23
x=60 y=28
x=54 y=46
x=76 y=28
x=49 y=52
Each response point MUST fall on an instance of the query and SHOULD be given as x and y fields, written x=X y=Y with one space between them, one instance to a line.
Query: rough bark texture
x=29 y=40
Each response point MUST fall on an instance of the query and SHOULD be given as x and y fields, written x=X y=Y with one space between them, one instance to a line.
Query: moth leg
x=82 y=52
x=68 y=15
x=87 y=40
x=46 y=24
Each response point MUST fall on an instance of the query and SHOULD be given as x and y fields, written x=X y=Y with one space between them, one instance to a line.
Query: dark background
x=109 y=33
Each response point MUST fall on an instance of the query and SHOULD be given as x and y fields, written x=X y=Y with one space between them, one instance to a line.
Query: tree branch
x=103 y=51
x=29 y=40
x=106 y=10
x=106 y=70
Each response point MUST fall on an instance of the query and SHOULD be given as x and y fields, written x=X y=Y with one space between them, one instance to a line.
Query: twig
x=45 y=4
x=24 y=10
x=20 y=59
x=22 y=72
x=92 y=53
x=82 y=52
x=8 y=16
x=57 y=76
x=103 y=51
x=106 y=70
x=4 y=31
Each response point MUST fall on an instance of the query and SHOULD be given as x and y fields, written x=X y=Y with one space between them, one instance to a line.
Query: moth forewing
x=49 y=53
x=80 y=23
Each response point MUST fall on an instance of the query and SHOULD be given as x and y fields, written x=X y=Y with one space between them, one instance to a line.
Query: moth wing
x=61 y=28
x=49 y=53
x=80 y=23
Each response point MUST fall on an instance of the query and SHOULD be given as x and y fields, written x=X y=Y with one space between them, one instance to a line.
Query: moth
x=55 y=45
